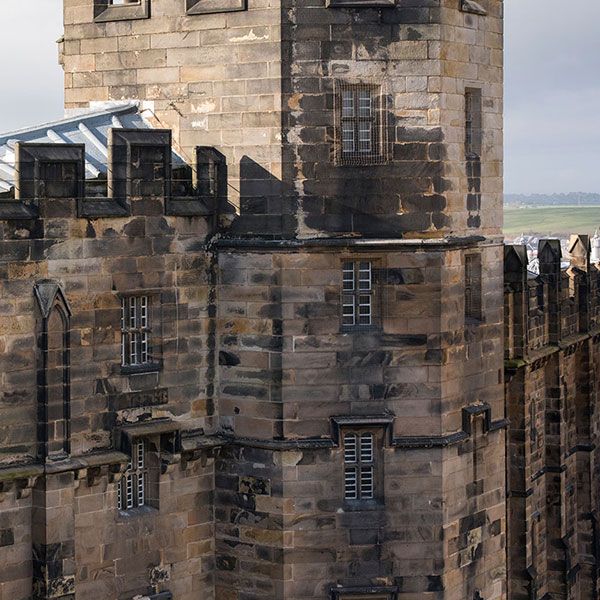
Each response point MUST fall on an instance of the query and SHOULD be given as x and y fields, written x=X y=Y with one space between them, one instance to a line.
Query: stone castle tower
x=326 y=417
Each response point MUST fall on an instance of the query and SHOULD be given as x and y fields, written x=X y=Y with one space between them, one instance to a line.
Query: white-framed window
x=135 y=331
x=359 y=465
x=132 y=487
x=360 y=124
x=357 y=296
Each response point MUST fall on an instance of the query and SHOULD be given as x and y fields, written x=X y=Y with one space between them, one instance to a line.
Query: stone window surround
x=151 y=470
x=162 y=439
x=155 y=317
x=105 y=11
x=378 y=153
x=381 y=427
x=473 y=123
x=376 y=501
x=135 y=479
x=375 y=592
x=377 y=263
x=473 y=289
x=204 y=7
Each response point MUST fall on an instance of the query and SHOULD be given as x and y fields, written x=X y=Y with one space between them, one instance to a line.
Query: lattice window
x=132 y=487
x=473 y=123
x=473 y=287
x=135 y=331
x=357 y=301
x=359 y=466
x=361 y=124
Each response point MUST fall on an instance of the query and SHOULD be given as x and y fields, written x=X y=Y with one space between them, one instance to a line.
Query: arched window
x=53 y=372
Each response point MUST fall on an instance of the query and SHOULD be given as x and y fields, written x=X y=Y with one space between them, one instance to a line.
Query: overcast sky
x=552 y=86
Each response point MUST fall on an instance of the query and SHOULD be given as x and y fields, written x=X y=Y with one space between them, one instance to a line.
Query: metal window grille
x=473 y=123
x=361 y=124
x=359 y=472
x=131 y=491
x=473 y=287
x=135 y=330
x=357 y=300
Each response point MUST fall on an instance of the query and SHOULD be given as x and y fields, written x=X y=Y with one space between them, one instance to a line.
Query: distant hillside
x=571 y=199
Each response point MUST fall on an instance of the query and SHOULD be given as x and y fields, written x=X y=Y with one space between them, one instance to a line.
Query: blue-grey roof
x=89 y=128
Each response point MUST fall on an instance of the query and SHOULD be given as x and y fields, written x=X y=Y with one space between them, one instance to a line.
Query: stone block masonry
x=295 y=380
x=551 y=349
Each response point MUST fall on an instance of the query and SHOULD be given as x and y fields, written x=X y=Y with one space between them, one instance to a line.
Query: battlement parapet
x=555 y=307
x=139 y=167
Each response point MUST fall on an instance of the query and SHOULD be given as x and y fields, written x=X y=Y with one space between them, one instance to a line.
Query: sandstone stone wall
x=61 y=530
x=260 y=85
x=213 y=79
x=551 y=394
x=289 y=369
x=260 y=378
x=423 y=55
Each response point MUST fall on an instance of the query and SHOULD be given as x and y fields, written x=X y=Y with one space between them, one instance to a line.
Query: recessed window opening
x=135 y=330
x=357 y=293
x=360 y=123
x=473 y=123
x=359 y=469
x=473 y=287
x=132 y=487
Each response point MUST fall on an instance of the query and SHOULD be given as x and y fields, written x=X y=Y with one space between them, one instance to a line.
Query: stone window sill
x=470 y=6
x=363 y=505
x=361 y=3
x=135 y=369
x=203 y=7
x=103 y=11
x=139 y=511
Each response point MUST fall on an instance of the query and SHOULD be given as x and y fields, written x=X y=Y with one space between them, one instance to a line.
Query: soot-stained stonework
x=277 y=386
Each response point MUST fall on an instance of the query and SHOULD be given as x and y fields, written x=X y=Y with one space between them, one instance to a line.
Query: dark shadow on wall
x=267 y=206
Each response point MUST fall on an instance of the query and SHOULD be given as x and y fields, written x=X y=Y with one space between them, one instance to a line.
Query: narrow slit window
x=473 y=287
x=473 y=124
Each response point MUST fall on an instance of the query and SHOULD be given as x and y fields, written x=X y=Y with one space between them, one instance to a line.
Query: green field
x=551 y=220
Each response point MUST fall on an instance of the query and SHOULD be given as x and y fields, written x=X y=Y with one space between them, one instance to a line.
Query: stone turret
x=325 y=301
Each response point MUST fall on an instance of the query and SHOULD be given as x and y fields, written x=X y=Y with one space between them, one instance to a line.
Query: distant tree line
x=570 y=199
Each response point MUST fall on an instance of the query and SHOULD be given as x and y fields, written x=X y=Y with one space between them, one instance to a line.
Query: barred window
x=132 y=487
x=473 y=287
x=360 y=123
x=359 y=466
x=473 y=123
x=135 y=331
x=357 y=301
